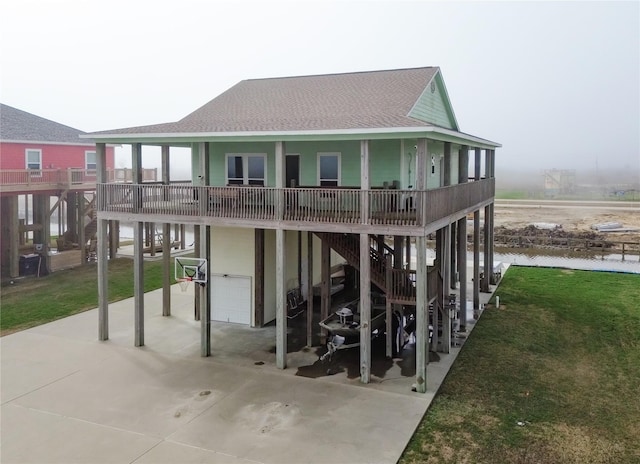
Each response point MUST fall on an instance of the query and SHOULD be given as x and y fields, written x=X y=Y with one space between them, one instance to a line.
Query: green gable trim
x=434 y=106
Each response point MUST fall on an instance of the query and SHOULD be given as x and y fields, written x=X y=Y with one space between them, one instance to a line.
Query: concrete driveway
x=67 y=397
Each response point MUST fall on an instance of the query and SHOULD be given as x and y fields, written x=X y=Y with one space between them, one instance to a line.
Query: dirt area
x=572 y=219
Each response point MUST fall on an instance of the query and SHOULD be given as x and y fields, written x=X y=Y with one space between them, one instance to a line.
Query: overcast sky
x=557 y=83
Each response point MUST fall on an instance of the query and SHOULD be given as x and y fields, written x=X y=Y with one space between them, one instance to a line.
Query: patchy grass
x=33 y=301
x=562 y=355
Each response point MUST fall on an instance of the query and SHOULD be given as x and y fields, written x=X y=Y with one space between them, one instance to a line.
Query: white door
x=231 y=297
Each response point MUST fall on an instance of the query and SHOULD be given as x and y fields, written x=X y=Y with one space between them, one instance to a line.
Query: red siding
x=12 y=155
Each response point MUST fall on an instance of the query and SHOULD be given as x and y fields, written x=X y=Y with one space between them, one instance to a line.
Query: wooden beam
x=166 y=266
x=446 y=175
x=138 y=283
x=364 y=181
x=259 y=280
x=103 y=281
x=462 y=272
x=388 y=312
x=422 y=316
x=325 y=284
x=365 y=309
x=205 y=294
x=196 y=253
x=486 y=250
x=281 y=301
x=309 y=277
x=446 y=274
x=476 y=262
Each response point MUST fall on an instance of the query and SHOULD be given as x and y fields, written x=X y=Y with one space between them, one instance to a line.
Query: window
x=328 y=169
x=33 y=161
x=246 y=169
x=90 y=163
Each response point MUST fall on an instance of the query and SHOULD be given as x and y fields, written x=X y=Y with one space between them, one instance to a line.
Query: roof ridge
x=340 y=73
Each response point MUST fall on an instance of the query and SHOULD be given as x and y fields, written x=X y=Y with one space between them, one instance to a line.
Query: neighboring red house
x=28 y=141
x=45 y=163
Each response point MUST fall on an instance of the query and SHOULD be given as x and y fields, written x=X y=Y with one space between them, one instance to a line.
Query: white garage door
x=231 y=299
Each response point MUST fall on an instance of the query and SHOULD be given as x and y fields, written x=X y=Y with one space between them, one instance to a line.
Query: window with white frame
x=246 y=169
x=90 y=163
x=328 y=169
x=33 y=159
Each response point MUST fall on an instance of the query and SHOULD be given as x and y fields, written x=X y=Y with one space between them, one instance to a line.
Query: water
x=586 y=261
x=611 y=262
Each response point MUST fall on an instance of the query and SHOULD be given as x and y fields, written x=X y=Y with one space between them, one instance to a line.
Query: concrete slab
x=68 y=397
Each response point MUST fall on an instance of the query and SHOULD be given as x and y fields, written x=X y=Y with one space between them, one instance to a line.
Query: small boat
x=343 y=326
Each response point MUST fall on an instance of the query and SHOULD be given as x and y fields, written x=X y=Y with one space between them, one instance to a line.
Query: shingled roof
x=362 y=100
x=19 y=126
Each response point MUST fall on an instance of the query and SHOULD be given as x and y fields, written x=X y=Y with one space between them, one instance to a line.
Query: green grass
x=563 y=354
x=34 y=301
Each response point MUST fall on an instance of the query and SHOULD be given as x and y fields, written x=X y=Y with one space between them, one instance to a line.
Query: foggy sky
x=558 y=84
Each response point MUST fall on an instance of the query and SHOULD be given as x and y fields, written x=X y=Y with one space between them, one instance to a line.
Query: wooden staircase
x=397 y=284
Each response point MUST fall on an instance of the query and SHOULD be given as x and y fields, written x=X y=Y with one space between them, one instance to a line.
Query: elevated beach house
x=290 y=172
x=41 y=161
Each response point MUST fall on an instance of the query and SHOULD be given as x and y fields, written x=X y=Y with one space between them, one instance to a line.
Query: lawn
x=552 y=376
x=33 y=301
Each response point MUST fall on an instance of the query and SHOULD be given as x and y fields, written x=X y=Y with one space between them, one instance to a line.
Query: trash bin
x=29 y=264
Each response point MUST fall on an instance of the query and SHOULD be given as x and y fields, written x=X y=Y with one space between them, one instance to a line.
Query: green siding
x=384 y=162
x=434 y=106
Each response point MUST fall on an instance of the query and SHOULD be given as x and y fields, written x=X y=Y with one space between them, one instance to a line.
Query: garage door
x=231 y=299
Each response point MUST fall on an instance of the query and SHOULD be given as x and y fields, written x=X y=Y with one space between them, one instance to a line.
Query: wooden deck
x=293 y=208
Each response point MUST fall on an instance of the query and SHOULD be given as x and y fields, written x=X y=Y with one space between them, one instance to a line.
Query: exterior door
x=292 y=173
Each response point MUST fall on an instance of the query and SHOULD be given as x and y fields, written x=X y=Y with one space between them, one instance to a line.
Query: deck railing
x=302 y=205
x=42 y=179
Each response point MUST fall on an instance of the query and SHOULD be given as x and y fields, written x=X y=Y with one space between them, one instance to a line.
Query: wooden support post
x=462 y=272
x=388 y=312
x=397 y=251
x=205 y=294
x=325 y=285
x=365 y=309
x=422 y=315
x=82 y=240
x=281 y=301
x=486 y=247
x=446 y=274
x=446 y=175
x=364 y=183
x=492 y=278
x=138 y=283
x=259 y=281
x=152 y=238
x=476 y=262
x=196 y=252
x=10 y=234
x=101 y=251
x=103 y=281
x=309 y=289
x=421 y=181
x=407 y=253
x=452 y=257
x=280 y=178
x=167 y=269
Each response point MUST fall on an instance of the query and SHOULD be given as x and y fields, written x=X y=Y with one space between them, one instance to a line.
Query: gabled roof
x=19 y=126
x=403 y=102
x=362 y=100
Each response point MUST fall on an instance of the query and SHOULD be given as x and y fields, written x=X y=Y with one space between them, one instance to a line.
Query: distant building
x=559 y=181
